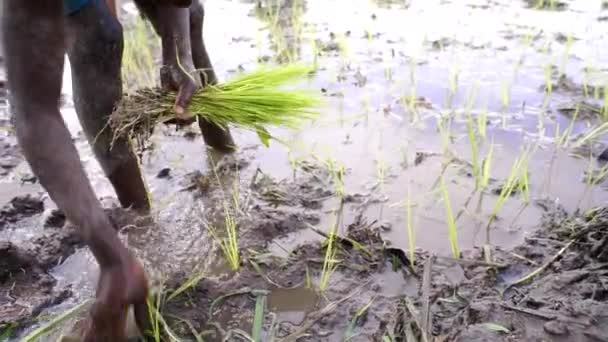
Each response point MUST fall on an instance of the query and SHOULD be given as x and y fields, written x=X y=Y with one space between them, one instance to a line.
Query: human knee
x=97 y=35
x=197 y=14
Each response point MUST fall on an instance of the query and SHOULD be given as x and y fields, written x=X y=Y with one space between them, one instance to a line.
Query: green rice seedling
x=154 y=304
x=381 y=168
x=505 y=95
x=586 y=82
x=388 y=338
x=330 y=263
x=138 y=57
x=600 y=175
x=366 y=107
x=524 y=183
x=564 y=138
x=453 y=78
x=541 y=123
x=443 y=124
x=496 y=328
x=486 y=167
x=566 y=56
x=251 y=101
x=160 y=327
x=6 y=330
x=551 y=4
x=592 y=135
x=411 y=234
x=589 y=179
x=548 y=72
x=258 y=318
x=482 y=123
x=188 y=284
x=413 y=87
x=473 y=136
x=452 y=232
x=336 y=172
x=229 y=244
x=308 y=278
x=55 y=323
x=510 y=185
x=350 y=329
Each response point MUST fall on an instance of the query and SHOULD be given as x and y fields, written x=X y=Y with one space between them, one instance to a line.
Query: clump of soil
x=26 y=287
x=20 y=207
x=9 y=151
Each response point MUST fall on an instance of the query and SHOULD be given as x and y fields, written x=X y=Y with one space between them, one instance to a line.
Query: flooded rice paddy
x=428 y=106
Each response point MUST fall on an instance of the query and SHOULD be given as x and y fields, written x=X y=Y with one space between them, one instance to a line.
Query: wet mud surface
x=391 y=90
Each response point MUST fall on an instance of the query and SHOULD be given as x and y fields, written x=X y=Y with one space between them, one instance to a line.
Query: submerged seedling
x=381 y=169
x=472 y=135
x=566 y=56
x=592 y=135
x=548 y=72
x=452 y=232
x=505 y=95
x=564 y=138
x=444 y=126
x=482 y=123
x=411 y=234
x=350 y=330
x=486 y=165
x=452 y=84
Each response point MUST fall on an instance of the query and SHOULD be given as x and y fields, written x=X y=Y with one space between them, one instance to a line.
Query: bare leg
x=95 y=55
x=216 y=137
x=185 y=28
x=34 y=42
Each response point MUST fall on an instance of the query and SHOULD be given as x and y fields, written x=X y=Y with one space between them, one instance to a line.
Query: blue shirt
x=73 y=6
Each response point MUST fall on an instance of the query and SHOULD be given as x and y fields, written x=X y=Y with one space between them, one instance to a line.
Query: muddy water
x=372 y=54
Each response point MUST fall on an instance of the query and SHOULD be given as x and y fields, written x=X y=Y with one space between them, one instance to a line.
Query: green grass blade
x=54 y=323
x=258 y=318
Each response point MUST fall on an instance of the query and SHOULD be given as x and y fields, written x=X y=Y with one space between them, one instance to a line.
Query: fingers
x=142 y=318
x=184 y=97
x=107 y=323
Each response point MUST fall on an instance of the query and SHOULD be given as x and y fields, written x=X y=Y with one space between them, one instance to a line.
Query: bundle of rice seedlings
x=252 y=101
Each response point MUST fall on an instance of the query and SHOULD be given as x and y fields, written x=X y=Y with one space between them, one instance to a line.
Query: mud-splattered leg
x=216 y=137
x=95 y=53
x=34 y=45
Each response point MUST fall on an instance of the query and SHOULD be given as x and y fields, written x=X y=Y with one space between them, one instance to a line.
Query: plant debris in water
x=253 y=101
